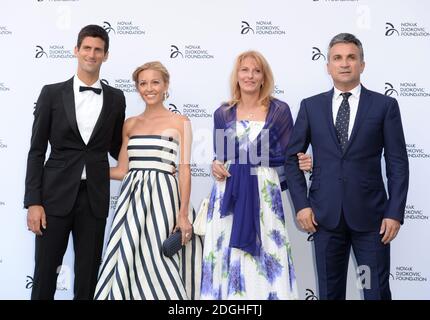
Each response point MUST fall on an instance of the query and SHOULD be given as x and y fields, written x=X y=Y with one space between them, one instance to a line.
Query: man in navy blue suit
x=349 y=127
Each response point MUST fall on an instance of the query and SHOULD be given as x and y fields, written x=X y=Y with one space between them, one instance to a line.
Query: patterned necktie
x=342 y=120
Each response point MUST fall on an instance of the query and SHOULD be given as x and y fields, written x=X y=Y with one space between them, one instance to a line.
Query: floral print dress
x=230 y=273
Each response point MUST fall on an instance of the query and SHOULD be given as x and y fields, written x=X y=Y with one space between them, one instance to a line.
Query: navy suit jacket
x=350 y=181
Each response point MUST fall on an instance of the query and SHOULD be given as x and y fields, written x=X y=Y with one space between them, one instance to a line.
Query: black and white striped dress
x=134 y=266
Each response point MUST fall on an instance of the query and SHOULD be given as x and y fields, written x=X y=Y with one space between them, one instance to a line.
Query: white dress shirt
x=353 y=100
x=88 y=105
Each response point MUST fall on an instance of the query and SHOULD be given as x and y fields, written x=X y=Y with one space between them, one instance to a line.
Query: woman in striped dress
x=152 y=203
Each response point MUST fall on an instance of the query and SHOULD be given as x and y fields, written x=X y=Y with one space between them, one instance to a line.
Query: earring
x=166 y=95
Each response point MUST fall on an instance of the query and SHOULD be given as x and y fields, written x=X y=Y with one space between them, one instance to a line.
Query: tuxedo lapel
x=328 y=112
x=69 y=107
x=363 y=108
x=105 y=112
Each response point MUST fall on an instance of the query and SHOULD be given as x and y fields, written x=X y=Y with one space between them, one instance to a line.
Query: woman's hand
x=305 y=162
x=219 y=171
x=185 y=226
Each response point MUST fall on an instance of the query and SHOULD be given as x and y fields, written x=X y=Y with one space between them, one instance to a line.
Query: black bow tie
x=96 y=90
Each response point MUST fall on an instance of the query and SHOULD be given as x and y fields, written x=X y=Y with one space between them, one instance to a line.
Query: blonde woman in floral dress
x=247 y=253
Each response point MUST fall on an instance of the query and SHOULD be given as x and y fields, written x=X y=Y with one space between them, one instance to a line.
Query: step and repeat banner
x=198 y=41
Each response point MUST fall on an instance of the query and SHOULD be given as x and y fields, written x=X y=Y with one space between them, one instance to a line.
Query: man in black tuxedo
x=82 y=119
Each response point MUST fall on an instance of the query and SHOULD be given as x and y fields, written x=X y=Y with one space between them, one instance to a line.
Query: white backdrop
x=198 y=41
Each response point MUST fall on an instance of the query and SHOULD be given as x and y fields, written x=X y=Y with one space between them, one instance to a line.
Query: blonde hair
x=268 y=82
x=152 y=65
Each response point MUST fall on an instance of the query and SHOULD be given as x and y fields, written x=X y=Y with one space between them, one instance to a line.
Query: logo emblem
x=108 y=27
x=389 y=89
x=40 y=52
x=246 y=28
x=174 y=52
x=29 y=282
x=316 y=54
x=310 y=295
x=173 y=108
x=390 y=29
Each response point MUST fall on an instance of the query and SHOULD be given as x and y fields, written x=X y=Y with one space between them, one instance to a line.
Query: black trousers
x=88 y=234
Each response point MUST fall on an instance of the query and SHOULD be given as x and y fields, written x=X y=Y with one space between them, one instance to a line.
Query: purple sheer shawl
x=241 y=197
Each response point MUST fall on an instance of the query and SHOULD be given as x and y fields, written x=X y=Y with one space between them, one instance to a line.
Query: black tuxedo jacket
x=55 y=184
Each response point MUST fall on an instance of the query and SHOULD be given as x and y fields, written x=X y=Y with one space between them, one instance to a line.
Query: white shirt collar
x=78 y=82
x=355 y=92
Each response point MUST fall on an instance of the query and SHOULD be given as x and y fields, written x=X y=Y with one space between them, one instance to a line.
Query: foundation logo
x=40 y=52
x=413 y=212
x=55 y=51
x=28 y=282
x=124 y=28
x=198 y=171
x=317 y=55
x=406 y=89
x=108 y=27
x=124 y=84
x=174 y=52
x=389 y=90
x=310 y=237
x=310 y=295
x=406 y=29
x=3 y=87
x=4 y=31
x=409 y=274
x=390 y=29
x=262 y=28
x=246 y=28
x=190 y=52
x=191 y=110
x=113 y=201
x=174 y=108
x=415 y=152
x=194 y=110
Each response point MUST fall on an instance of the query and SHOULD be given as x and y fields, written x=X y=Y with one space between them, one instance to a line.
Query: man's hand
x=306 y=220
x=305 y=161
x=219 y=171
x=390 y=228
x=36 y=218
